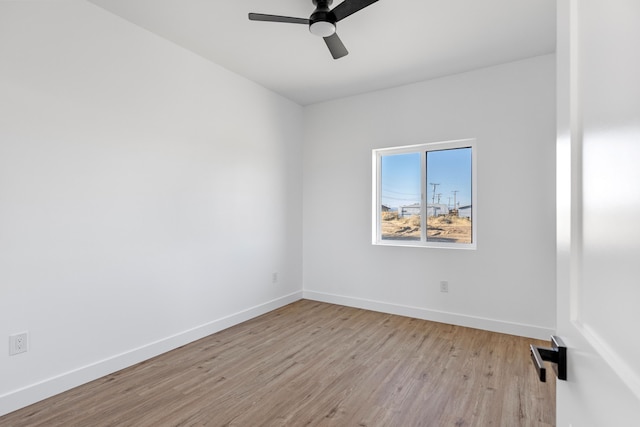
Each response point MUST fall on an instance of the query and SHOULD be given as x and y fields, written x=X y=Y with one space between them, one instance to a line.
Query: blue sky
x=451 y=169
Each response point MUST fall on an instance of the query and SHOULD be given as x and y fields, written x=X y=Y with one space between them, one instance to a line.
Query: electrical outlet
x=274 y=278
x=444 y=286
x=18 y=343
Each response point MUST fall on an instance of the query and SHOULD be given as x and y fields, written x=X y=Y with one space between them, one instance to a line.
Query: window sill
x=419 y=244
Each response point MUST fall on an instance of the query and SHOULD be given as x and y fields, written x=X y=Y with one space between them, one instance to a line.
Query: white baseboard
x=33 y=393
x=493 y=325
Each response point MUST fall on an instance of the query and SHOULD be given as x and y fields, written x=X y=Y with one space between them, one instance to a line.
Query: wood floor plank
x=317 y=364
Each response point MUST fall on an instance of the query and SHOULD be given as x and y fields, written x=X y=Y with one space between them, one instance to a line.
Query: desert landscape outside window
x=401 y=195
x=424 y=195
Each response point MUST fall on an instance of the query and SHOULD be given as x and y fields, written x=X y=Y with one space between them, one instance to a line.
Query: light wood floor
x=312 y=363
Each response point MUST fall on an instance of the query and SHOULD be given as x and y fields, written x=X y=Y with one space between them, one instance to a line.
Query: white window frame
x=423 y=149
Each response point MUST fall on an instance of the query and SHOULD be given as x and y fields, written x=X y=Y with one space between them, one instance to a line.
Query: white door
x=598 y=201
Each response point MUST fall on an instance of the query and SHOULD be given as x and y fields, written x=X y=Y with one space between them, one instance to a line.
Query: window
x=424 y=195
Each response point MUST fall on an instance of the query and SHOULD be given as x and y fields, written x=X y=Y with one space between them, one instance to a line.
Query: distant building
x=408 y=210
x=433 y=209
x=385 y=208
x=437 y=209
x=464 y=211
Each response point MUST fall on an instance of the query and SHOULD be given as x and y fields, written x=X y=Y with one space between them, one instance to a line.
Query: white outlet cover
x=18 y=343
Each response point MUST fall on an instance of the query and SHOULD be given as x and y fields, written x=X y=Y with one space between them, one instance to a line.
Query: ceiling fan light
x=322 y=28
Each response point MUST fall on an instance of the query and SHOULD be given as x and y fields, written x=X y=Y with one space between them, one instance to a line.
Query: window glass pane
x=449 y=201
x=400 y=197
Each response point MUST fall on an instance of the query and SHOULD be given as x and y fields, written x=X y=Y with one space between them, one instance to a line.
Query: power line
x=400 y=198
x=386 y=190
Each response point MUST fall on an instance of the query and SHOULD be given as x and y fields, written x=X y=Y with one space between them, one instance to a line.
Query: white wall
x=508 y=283
x=146 y=196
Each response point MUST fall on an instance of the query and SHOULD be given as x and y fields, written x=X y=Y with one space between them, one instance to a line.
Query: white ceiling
x=390 y=43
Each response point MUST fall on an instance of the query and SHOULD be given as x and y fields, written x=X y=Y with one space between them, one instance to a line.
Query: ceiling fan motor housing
x=322 y=21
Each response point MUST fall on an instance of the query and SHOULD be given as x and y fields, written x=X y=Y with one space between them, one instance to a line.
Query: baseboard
x=33 y=393
x=511 y=328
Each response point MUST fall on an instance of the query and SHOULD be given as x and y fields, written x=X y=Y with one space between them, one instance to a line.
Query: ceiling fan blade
x=349 y=7
x=277 y=18
x=335 y=46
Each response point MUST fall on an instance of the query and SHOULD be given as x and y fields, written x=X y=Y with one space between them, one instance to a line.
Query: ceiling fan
x=322 y=21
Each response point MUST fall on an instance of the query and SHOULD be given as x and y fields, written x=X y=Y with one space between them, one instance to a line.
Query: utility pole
x=433 y=198
x=455 y=208
x=439 y=195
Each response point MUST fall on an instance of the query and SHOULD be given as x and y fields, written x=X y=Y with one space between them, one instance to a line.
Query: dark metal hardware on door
x=557 y=355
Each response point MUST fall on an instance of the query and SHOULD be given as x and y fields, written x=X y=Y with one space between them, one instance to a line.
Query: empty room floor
x=312 y=363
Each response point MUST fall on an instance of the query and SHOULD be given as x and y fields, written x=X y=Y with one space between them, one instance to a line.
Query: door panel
x=598 y=204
